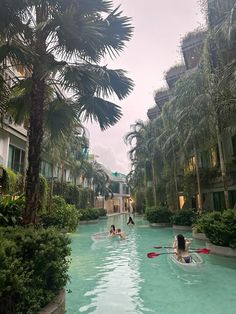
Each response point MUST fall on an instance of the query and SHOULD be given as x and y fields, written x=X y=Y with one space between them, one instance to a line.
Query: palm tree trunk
x=36 y=120
x=198 y=181
x=223 y=170
x=51 y=190
x=154 y=185
x=35 y=140
x=175 y=179
x=23 y=187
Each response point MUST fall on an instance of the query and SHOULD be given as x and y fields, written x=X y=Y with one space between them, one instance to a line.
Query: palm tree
x=59 y=45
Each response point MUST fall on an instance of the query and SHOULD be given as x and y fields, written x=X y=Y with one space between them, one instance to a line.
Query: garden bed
x=184 y=228
x=57 y=306
x=103 y=217
x=221 y=250
x=160 y=225
x=85 y=222
x=200 y=236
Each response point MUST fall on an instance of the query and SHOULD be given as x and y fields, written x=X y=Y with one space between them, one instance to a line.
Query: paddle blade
x=203 y=251
x=152 y=254
x=158 y=247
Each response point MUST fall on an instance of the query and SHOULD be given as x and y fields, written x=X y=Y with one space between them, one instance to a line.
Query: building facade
x=208 y=161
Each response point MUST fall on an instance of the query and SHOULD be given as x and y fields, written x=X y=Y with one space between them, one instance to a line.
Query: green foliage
x=43 y=191
x=140 y=202
x=190 y=187
x=62 y=215
x=220 y=228
x=83 y=198
x=102 y=212
x=8 y=181
x=72 y=194
x=11 y=210
x=34 y=265
x=184 y=217
x=148 y=171
x=89 y=214
x=158 y=215
x=149 y=197
x=201 y=223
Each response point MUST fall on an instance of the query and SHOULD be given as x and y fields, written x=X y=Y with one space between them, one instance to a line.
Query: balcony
x=174 y=74
x=153 y=113
x=192 y=48
x=161 y=97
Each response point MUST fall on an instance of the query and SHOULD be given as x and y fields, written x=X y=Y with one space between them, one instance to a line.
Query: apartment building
x=208 y=161
x=119 y=200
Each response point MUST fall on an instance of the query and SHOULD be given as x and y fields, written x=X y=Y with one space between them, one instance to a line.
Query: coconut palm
x=59 y=45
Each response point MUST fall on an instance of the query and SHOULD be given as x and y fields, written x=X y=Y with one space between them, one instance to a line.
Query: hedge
x=34 y=265
x=158 y=215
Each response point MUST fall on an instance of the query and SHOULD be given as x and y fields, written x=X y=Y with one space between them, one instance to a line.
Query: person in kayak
x=181 y=246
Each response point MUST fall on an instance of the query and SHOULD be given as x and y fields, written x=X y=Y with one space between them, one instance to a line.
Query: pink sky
x=154 y=48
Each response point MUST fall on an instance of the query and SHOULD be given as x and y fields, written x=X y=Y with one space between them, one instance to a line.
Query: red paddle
x=168 y=247
x=155 y=254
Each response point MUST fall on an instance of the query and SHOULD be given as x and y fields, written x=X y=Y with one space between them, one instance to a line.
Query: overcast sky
x=159 y=26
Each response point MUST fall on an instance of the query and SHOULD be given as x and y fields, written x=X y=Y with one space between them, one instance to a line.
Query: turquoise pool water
x=114 y=276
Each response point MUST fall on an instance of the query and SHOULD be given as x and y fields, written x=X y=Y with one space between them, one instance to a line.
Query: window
x=16 y=158
x=46 y=170
x=219 y=201
x=232 y=198
x=125 y=189
x=191 y=164
x=234 y=145
x=115 y=186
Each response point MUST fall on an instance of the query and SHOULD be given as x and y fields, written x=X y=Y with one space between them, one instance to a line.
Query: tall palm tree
x=59 y=44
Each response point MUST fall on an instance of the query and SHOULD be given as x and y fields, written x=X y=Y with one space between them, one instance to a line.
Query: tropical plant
x=62 y=215
x=158 y=215
x=34 y=265
x=58 y=45
x=184 y=217
x=11 y=210
x=220 y=228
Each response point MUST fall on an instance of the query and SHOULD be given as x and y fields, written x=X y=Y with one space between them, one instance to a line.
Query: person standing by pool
x=130 y=221
x=181 y=246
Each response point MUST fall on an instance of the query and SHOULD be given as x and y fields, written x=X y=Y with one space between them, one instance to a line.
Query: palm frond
x=102 y=111
x=60 y=118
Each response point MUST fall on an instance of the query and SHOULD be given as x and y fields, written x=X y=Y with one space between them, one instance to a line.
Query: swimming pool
x=113 y=276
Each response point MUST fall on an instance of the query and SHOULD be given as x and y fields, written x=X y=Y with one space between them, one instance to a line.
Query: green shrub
x=72 y=194
x=220 y=228
x=34 y=265
x=158 y=215
x=11 y=210
x=43 y=191
x=8 y=181
x=184 y=217
x=89 y=214
x=62 y=215
x=200 y=223
x=102 y=212
x=83 y=198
